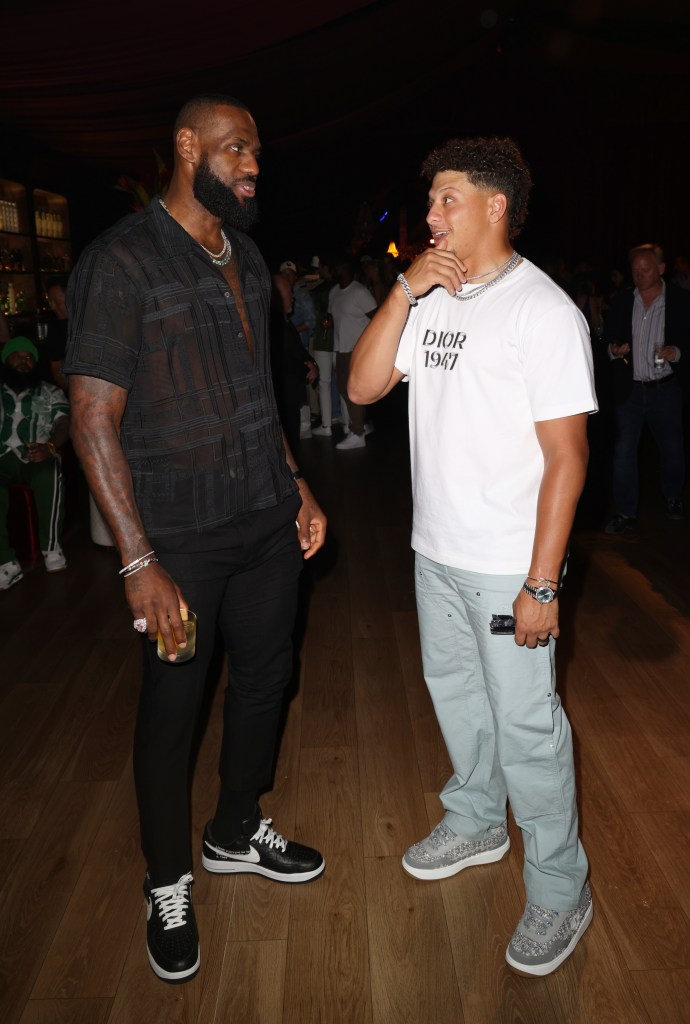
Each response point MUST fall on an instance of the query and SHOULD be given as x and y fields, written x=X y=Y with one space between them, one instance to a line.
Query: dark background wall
x=350 y=98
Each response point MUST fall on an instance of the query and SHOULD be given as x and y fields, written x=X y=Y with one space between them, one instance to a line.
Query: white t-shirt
x=481 y=374
x=349 y=307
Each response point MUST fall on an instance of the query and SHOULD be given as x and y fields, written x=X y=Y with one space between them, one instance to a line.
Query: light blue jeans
x=507 y=735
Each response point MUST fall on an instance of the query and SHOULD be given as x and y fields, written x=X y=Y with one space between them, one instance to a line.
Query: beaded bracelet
x=402 y=280
x=142 y=565
x=135 y=562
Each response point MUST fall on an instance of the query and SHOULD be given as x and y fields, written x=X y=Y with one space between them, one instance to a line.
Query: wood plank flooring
x=360 y=766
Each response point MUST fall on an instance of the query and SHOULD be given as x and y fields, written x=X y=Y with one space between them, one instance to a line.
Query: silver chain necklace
x=478 y=277
x=220 y=259
x=510 y=265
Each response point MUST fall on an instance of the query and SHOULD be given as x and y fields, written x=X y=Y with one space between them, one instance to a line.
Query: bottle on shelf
x=11 y=299
x=9 y=216
x=41 y=324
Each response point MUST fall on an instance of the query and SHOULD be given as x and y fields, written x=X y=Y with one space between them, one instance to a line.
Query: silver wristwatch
x=542 y=594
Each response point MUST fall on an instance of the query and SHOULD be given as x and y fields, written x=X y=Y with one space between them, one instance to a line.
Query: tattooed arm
x=97 y=408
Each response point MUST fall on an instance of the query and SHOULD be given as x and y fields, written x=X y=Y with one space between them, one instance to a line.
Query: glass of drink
x=183 y=653
x=658 y=359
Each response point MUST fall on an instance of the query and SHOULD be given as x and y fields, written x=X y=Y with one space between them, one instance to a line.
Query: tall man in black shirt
x=176 y=426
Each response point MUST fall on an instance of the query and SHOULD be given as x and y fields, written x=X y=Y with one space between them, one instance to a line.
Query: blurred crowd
x=321 y=305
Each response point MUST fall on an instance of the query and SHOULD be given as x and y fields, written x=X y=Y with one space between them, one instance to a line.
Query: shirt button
x=240 y=334
x=227 y=295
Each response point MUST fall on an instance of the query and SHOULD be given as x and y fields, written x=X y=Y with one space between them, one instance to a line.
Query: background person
x=56 y=341
x=322 y=346
x=34 y=425
x=351 y=306
x=292 y=365
x=646 y=329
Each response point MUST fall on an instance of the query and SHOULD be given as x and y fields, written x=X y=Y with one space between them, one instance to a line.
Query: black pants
x=248 y=591
x=661 y=407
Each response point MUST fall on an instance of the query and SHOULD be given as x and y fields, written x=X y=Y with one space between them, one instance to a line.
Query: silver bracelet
x=141 y=565
x=135 y=562
x=402 y=280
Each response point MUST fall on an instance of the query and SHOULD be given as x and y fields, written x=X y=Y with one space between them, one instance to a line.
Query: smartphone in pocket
x=502 y=625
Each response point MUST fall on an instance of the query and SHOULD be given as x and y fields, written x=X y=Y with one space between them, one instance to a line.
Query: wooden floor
x=360 y=767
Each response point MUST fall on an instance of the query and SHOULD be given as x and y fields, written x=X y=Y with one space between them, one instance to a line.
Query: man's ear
x=187 y=145
x=498 y=207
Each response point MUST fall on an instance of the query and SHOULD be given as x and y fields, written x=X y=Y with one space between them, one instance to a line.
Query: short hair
x=649 y=247
x=195 y=112
x=346 y=261
x=491 y=164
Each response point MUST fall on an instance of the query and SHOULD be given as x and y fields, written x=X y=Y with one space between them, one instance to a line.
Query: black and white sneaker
x=172 y=939
x=264 y=853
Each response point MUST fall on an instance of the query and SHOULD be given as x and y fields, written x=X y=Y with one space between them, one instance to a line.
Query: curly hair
x=493 y=164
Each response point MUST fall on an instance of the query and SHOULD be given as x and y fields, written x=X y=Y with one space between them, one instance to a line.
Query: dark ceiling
x=349 y=97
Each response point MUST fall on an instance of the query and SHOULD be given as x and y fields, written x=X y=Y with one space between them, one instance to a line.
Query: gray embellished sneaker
x=544 y=939
x=443 y=854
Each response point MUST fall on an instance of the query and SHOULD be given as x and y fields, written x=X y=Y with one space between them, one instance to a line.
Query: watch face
x=544 y=595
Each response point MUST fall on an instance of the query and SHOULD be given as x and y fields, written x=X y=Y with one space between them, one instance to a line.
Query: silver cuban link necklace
x=509 y=265
x=220 y=259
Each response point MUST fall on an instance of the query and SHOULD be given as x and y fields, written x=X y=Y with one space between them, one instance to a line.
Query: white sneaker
x=322 y=431
x=305 y=433
x=10 y=573
x=352 y=441
x=55 y=561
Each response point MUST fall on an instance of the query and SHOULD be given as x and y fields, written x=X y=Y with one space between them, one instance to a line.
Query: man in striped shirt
x=645 y=330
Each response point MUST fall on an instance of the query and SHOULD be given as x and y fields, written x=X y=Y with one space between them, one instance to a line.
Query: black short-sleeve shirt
x=150 y=313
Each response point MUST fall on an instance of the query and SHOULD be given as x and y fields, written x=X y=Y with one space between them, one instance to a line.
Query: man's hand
x=618 y=351
x=38 y=451
x=436 y=267
x=534 y=622
x=154 y=596
x=668 y=352
x=373 y=373
x=311 y=522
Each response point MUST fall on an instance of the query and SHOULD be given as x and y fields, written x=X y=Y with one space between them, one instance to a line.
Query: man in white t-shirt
x=500 y=375
x=352 y=306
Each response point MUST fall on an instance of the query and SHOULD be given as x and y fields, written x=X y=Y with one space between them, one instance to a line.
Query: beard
x=220 y=200
x=20 y=381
